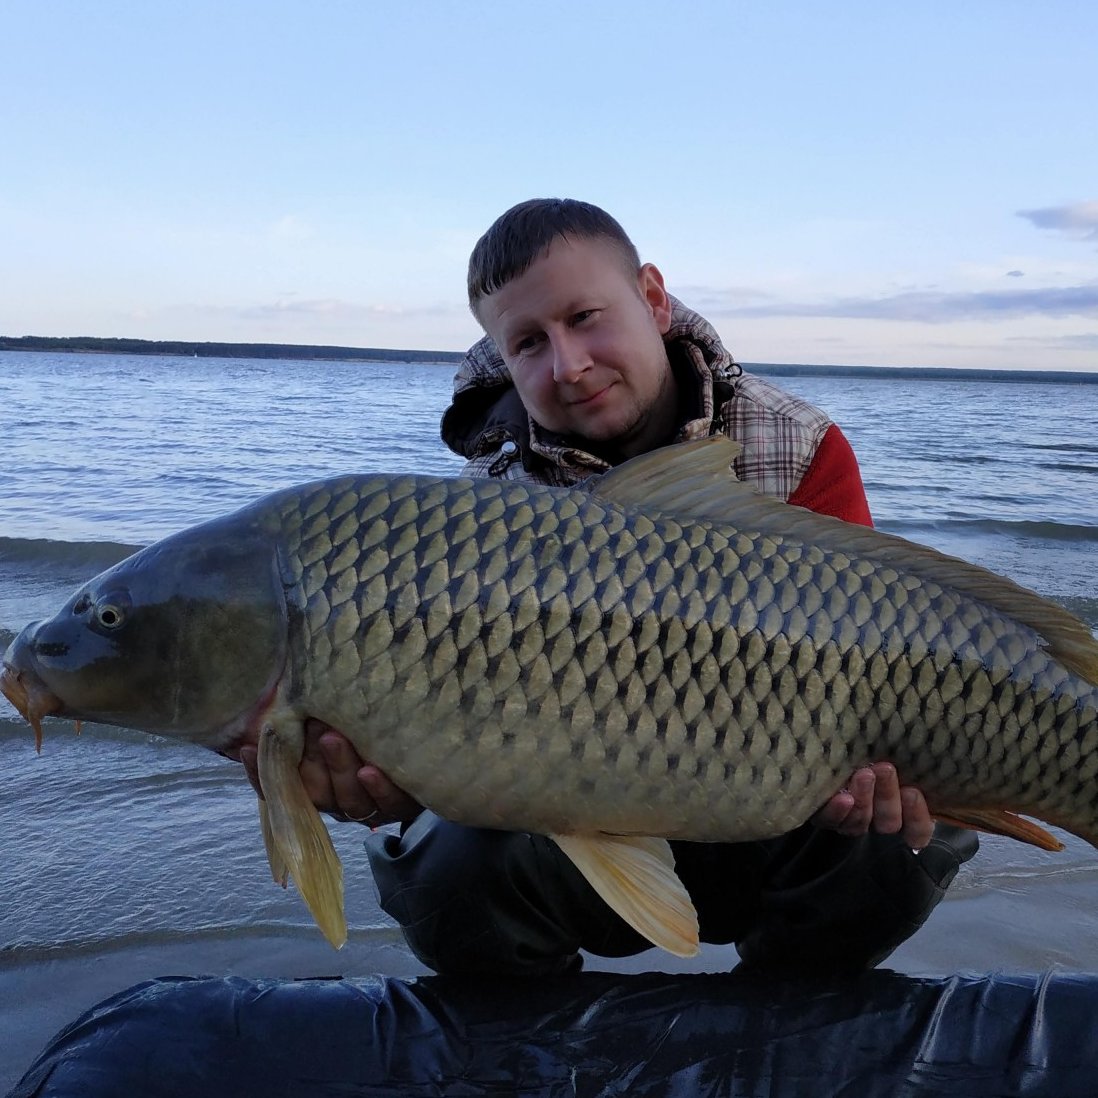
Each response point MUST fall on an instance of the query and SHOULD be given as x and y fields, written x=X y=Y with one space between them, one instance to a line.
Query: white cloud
x=1078 y=221
x=929 y=307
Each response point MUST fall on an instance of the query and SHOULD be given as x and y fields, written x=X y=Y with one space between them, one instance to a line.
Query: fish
x=660 y=653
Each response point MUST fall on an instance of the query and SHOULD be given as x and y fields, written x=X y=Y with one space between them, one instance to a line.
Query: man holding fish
x=587 y=362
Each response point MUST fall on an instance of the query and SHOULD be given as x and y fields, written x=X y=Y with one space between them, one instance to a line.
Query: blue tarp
x=585 y=1035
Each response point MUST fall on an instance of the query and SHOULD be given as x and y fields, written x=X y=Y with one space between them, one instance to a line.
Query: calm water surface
x=115 y=839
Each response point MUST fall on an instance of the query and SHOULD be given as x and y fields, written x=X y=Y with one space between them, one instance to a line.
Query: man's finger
x=343 y=762
x=860 y=816
x=833 y=814
x=315 y=772
x=888 y=817
x=918 y=827
x=312 y=751
x=393 y=803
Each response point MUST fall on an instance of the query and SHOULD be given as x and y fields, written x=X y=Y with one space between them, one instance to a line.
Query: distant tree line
x=96 y=345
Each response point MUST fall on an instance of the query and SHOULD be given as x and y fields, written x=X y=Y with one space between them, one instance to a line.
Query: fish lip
x=11 y=686
x=31 y=698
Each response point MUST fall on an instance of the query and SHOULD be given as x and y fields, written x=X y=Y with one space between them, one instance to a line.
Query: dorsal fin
x=693 y=480
x=687 y=480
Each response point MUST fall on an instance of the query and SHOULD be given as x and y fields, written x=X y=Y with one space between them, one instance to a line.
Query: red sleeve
x=833 y=483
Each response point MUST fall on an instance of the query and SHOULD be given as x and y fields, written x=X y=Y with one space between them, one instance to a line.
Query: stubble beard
x=648 y=427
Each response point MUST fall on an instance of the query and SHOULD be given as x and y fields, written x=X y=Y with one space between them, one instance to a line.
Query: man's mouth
x=590 y=397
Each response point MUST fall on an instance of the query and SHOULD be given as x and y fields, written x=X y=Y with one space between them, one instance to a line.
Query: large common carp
x=665 y=655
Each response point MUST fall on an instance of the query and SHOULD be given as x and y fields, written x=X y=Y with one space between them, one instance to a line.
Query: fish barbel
x=666 y=655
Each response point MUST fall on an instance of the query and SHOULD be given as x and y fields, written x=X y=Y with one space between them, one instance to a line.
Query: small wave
x=968 y=459
x=71 y=554
x=1018 y=528
x=206 y=480
x=1067 y=467
x=896 y=487
x=1063 y=447
x=1002 y=499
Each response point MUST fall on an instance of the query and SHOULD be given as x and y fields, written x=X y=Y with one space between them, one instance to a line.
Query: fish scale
x=702 y=666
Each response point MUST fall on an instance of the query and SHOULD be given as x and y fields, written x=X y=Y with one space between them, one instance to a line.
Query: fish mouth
x=31 y=698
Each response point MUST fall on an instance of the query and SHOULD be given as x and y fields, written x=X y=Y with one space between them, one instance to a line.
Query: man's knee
x=469 y=900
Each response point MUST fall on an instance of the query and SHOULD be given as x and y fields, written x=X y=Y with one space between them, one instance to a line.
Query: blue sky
x=889 y=184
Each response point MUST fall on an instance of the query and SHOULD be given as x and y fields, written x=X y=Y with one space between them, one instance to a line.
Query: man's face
x=583 y=339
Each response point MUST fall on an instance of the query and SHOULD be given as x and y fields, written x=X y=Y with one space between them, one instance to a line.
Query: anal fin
x=636 y=877
x=298 y=838
x=997 y=821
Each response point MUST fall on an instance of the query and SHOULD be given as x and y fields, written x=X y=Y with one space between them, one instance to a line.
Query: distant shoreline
x=306 y=353
x=180 y=347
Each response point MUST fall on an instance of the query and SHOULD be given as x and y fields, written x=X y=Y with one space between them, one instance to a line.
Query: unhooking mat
x=880 y=1036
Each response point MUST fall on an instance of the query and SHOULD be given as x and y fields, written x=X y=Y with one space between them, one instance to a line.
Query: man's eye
x=582 y=315
x=527 y=343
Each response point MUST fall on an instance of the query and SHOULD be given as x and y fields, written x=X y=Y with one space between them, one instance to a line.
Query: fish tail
x=996 y=821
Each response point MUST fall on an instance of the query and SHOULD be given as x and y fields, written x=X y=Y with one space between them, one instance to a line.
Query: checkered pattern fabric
x=779 y=432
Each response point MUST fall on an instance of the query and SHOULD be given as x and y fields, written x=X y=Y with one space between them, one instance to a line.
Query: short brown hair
x=519 y=236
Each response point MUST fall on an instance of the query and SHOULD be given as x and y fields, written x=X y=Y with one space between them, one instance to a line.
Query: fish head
x=187 y=638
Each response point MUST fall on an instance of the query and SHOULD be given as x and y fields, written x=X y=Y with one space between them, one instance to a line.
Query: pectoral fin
x=297 y=840
x=280 y=871
x=636 y=877
x=997 y=821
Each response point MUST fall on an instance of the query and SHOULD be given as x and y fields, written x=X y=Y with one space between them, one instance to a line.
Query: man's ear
x=651 y=288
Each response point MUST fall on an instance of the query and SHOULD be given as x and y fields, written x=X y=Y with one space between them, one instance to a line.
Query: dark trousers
x=472 y=900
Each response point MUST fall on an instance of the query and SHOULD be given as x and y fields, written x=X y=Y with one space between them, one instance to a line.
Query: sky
x=858 y=183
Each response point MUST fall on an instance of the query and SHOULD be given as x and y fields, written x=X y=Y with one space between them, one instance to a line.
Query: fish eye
x=109 y=616
x=110 y=611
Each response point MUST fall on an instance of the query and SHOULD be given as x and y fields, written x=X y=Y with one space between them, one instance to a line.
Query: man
x=588 y=361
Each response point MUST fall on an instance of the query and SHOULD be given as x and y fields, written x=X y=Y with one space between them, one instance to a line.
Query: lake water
x=126 y=857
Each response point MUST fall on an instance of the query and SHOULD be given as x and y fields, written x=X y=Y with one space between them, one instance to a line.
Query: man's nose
x=570 y=358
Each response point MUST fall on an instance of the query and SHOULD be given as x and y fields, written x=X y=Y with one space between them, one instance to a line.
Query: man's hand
x=875 y=799
x=338 y=782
